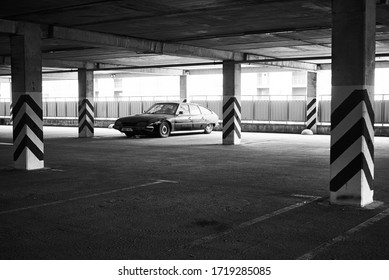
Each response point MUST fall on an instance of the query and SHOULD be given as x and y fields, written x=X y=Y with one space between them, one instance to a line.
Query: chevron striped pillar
x=352 y=146
x=27 y=114
x=86 y=104
x=27 y=130
x=231 y=103
x=311 y=102
x=352 y=114
x=311 y=114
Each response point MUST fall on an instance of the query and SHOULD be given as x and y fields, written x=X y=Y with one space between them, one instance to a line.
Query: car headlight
x=154 y=123
x=118 y=123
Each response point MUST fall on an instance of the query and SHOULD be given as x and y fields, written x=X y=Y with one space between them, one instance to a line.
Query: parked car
x=164 y=118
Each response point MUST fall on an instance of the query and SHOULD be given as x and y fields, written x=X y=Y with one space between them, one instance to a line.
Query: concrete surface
x=185 y=197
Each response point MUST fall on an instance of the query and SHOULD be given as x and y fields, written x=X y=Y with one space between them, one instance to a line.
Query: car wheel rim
x=164 y=130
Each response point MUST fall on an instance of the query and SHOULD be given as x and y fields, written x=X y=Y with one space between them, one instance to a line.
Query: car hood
x=145 y=118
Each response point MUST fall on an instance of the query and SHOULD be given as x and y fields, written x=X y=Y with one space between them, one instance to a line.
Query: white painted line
x=305 y=196
x=252 y=222
x=6 y=144
x=323 y=247
x=85 y=196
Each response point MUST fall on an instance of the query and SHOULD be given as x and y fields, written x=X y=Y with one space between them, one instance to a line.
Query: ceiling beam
x=139 y=45
x=50 y=63
x=142 y=72
x=248 y=70
x=294 y=65
x=63 y=63
x=378 y=64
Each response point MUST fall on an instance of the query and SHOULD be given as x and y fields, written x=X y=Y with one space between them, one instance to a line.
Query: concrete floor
x=185 y=197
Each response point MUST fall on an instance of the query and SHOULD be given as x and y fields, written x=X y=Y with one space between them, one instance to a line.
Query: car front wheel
x=164 y=130
x=129 y=134
x=208 y=129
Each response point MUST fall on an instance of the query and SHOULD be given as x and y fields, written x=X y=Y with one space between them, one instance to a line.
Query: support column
x=311 y=102
x=352 y=113
x=86 y=110
x=184 y=87
x=27 y=114
x=231 y=103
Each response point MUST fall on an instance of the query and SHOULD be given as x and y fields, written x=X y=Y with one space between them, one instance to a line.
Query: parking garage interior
x=300 y=177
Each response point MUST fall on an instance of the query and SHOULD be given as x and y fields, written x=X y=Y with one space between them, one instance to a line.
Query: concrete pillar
x=311 y=102
x=352 y=114
x=27 y=115
x=184 y=87
x=231 y=103
x=86 y=110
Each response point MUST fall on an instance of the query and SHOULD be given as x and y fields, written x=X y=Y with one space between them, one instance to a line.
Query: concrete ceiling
x=110 y=33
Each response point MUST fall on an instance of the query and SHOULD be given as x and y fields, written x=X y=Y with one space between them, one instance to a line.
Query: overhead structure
x=178 y=37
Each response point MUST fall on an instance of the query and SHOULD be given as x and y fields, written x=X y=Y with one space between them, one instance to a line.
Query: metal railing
x=5 y=106
x=267 y=109
x=381 y=109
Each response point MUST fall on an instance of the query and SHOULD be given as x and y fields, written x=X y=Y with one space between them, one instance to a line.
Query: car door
x=183 y=120
x=198 y=121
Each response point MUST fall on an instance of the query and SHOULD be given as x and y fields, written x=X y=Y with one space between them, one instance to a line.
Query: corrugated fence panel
x=378 y=117
x=5 y=108
x=386 y=115
x=136 y=107
x=44 y=109
x=297 y=110
x=124 y=109
x=279 y=110
x=8 y=108
x=112 y=109
x=325 y=111
x=61 y=109
x=2 y=109
x=247 y=110
x=72 y=109
x=101 y=109
x=261 y=110
x=51 y=109
x=258 y=110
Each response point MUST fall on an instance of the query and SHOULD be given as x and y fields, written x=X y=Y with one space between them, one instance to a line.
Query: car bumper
x=136 y=129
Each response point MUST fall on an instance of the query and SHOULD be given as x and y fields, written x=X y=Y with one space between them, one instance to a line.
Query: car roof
x=179 y=103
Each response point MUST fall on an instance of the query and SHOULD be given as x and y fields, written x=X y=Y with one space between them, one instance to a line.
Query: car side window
x=205 y=111
x=184 y=108
x=194 y=110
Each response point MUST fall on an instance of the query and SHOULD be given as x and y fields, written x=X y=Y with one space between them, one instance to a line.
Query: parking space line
x=253 y=221
x=325 y=246
x=85 y=196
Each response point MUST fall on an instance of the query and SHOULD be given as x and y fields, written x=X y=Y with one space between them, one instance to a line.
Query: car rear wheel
x=129 y=134
x=208 y=129
x=164 y=130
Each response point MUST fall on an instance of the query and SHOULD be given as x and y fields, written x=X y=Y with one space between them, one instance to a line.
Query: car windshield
x=164 y=108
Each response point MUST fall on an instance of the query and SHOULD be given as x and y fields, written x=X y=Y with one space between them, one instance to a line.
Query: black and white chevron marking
x=231 y=121
x=27 y=129
x=86 y=118
x=311 y=113
x=352 y=137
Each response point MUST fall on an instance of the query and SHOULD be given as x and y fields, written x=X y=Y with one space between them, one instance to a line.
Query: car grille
x=132 y=124
x=129 y=124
